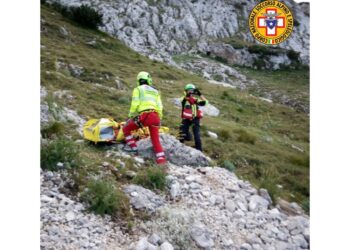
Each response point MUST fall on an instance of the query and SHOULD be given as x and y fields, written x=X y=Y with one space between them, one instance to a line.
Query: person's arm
x=159 y=107
x=203 y=101
x=135 y=102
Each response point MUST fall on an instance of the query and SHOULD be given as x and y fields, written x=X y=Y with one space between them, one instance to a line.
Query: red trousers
x=152 y=121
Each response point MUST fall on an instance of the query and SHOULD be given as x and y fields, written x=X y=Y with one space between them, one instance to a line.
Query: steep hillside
x=92 y=73
x=208 y=38
x=244 y=200
x=165 y=27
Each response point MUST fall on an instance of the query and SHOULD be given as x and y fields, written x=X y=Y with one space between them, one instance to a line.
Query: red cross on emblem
x=280 y=22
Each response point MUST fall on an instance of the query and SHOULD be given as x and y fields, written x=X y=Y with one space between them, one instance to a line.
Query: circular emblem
x=271 y=22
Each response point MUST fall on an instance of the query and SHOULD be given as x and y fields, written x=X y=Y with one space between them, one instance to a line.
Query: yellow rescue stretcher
x=108 y=130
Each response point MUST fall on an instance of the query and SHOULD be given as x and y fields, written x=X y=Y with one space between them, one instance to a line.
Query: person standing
x=191 y=115
x=146 y=111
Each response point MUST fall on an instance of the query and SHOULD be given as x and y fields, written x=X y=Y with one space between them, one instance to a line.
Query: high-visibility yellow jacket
x=145 y=97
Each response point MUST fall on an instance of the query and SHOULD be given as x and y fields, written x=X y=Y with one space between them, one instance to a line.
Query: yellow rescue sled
x=108 y=130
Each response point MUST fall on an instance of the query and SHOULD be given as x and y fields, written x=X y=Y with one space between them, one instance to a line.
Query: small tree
x=86 y=16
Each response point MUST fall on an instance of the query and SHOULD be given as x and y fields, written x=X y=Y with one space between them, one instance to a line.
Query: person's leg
x=197 y=134
x=129 y=139
x=185 y=130
x=153 y=122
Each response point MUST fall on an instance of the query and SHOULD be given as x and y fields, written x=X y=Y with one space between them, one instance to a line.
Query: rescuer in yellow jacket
x=146 y=111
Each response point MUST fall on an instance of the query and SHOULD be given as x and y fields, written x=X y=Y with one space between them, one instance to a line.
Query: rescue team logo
x=271 y=22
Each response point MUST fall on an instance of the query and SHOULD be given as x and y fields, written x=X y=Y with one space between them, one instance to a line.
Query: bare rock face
x=53 y=112
x=161 y=29
x=175 y=151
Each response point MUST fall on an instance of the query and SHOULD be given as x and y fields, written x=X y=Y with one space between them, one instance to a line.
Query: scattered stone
x=175 y=190
x=75 y=70
x=306 y=234
x=130 y=174
x=265 y=194
x=190 y=178
x=256 y=202
x=300 y=241
x=227 y=242
x=166 y=246
x=143 y=244
x=63 y=31
x=92 y=42
x=60 y=165
x=195 y=185
x=212 y=134
x=79 y=141
x=265 y=99
x=139 y=160
x=105 y=164
x=154 y=239
x=146 y=200
x=290 y=208
x=202 y=236
x=65 y=224
x=230 y=205
x=298 y=148
x=245 y=246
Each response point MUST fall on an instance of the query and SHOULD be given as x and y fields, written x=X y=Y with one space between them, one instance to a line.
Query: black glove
x=197 y=92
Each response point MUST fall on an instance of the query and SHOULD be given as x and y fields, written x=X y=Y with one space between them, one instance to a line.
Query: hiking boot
x=161 y=161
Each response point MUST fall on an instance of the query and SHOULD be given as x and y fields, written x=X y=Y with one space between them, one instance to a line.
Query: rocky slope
x=203 y=208
x=160 y=29
x=205 y=37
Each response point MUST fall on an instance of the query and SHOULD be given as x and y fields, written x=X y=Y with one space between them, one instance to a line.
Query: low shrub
x=299 y=160
x=59 y=150
x=268 y=178
x=305 y=204
x=293 y=55
x=86 y=16
x=218 y=78
x=228 y=165
x=54 y=129
x=263 y=50
x=151 y=178
x=271 y=186
x=224 y=135
x=245 y=137
x=83 y=14
x=221 y=59
x=123 y=100
x=225 y=95
x=259 y=63
x=104 y=198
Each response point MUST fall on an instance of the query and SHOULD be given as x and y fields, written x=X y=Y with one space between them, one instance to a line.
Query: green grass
x=264 y=162
x=151 y=178
x=59 y=150
x=292 y=83
x=52 y=130
x=104 y=197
